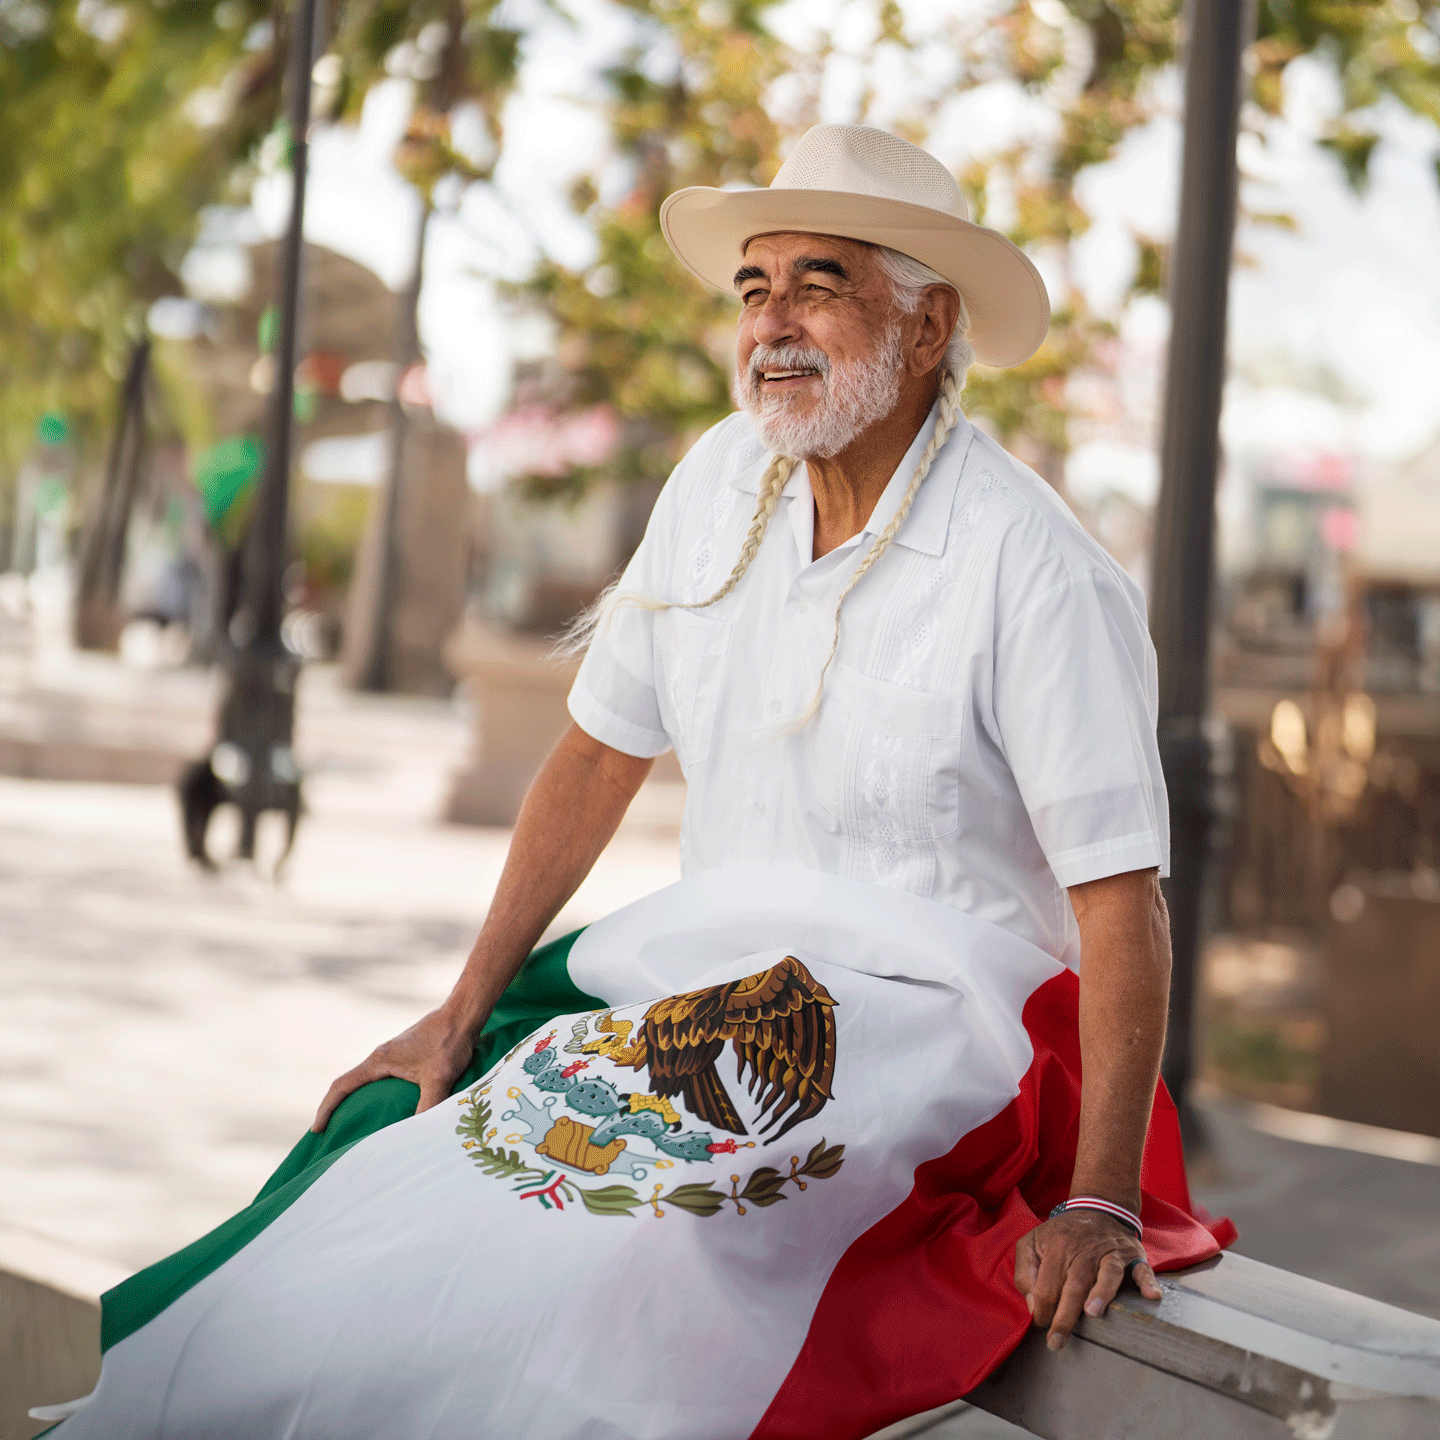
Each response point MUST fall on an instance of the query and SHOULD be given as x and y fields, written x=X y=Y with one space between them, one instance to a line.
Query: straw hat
x=864 y=184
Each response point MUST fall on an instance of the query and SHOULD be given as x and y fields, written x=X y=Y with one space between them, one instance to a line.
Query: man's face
x=820 y=348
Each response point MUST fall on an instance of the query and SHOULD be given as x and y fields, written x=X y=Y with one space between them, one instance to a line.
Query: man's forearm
x=569 y=815
x=1124 y=987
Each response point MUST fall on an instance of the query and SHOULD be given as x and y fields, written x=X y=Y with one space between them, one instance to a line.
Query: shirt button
x=774 y=707
x=759 y=807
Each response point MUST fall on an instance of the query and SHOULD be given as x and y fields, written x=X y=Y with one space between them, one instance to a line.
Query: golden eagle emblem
x=780 y=1024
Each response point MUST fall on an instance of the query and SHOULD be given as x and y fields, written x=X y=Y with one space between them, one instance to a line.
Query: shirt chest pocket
x=692 y=650
x=889 y=758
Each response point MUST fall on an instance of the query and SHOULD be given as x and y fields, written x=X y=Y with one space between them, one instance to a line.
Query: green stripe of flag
x=542 y=990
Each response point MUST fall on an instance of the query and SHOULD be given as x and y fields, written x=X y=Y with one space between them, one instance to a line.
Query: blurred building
x=1327 y=681
x=216 y=359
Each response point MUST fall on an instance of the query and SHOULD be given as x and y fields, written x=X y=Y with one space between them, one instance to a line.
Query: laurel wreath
x=763 y=1187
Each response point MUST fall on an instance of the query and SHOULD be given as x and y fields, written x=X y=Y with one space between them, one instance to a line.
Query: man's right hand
x=432 y=1054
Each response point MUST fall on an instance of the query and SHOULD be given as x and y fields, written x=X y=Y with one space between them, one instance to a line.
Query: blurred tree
x=121 y=119
x=1103 y=87
x=639 y=332
x=459 y=55
x=686 y=107
x=124 y=118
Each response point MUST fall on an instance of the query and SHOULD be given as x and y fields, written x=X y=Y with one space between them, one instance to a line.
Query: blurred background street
x=341 y=362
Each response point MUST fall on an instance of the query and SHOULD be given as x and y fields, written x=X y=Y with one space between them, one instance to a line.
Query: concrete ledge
x=49 y=1326
x=80 y=760
x=1236 y=1348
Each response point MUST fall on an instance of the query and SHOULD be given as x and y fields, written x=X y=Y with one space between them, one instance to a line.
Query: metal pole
x=1216 y=33
x=112 y=570
x=102 y=554
x=267 y=547
x=252 y=763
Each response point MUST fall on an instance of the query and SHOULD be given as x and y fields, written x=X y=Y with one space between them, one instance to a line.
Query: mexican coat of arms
x=779 y=1024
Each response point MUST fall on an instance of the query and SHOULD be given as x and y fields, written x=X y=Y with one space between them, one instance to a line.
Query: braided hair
x=577 y=637
x=771 y=484
x=950 y=388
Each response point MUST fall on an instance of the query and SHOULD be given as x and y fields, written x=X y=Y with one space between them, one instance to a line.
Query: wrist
x=1099 y=1205
x=480 y=986
x=466 y=1010
x=1127 y=1196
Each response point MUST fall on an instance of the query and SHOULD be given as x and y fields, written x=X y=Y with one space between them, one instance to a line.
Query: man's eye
x=751 y=296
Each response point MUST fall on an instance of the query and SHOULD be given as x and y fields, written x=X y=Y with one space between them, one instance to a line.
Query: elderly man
x=914 y=704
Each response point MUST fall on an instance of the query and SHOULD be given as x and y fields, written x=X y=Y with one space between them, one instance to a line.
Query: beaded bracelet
x=1128 y=1218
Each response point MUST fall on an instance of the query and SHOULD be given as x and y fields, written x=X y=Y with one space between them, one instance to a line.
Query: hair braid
x=576 y=638
x=771 y=484
x=950 y=389
x=579 y=635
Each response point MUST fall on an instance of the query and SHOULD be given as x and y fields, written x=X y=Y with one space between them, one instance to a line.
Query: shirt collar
x=927 y=526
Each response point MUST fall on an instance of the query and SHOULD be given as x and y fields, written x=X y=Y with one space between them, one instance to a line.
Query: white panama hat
x=859 y=183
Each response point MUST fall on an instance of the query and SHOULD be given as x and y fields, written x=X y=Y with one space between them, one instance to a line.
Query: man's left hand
x=1077 y=1261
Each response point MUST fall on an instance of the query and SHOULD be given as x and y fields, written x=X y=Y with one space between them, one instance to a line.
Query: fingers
x=1107 y=1284
x=347 y=1084
x=1146 y=1283
x=1027 y=1269
x=1050 y=1282
x=433 y=1089
x=1072 y=1299
x=432 y=1092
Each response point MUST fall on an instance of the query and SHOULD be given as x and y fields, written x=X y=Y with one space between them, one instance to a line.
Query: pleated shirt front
x=986 y=736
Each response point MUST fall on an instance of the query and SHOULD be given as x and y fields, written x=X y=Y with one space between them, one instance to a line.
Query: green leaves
x=637 y=331
x=1352 y=148
x=477 y=1117
x=125 y=120
x=821 y=1163
x=508 y=1163
x=611 y=1200
x=764 y=1187
x=697 y=1199
x=473 y=1125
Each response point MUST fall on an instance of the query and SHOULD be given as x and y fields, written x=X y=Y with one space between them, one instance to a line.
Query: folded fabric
x=747 y=1158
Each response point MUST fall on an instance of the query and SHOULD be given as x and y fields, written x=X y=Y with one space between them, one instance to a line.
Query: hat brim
x=708 y=230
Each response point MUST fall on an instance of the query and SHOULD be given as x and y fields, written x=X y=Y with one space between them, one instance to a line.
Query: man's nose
x=775 y=324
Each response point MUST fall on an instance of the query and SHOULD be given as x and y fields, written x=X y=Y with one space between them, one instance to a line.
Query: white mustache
x=785 y=357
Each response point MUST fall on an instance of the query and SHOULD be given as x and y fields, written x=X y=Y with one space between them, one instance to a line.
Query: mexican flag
x=748 y=1158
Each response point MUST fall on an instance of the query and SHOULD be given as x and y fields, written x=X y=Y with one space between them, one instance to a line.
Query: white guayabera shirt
x=987 y=734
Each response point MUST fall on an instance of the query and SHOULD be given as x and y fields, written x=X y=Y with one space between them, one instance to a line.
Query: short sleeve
x=613 y=698
x=1075 y=706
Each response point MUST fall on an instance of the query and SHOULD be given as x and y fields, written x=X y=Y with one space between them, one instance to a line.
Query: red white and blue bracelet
x=1128 y=1218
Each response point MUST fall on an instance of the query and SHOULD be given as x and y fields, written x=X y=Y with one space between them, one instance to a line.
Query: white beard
x=857 y=393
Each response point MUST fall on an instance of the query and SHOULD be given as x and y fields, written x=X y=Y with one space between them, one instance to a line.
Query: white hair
x=908 y=280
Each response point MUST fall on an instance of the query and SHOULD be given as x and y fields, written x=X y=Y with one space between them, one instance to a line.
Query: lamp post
x=1216 y=32
x=252 y=763
x=102 y=551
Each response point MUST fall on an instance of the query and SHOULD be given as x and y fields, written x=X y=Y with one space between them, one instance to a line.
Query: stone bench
x=1236 y=1349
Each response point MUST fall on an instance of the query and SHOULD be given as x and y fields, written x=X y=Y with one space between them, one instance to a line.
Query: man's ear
x=938 y=313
